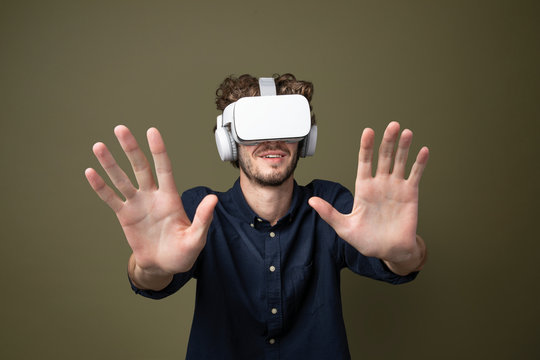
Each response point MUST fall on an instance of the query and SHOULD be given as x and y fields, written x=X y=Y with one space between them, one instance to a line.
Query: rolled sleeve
x=372 y=267
x=177 y=282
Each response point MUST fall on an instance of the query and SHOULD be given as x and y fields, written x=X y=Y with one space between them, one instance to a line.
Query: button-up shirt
x=271 y=292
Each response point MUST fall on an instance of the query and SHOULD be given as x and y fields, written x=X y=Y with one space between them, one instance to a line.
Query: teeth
x=272 y=156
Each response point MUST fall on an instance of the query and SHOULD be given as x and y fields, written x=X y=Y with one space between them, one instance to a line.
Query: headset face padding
x=228 y=150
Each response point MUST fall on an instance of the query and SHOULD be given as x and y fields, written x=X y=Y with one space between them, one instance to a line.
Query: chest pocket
x=301 y=291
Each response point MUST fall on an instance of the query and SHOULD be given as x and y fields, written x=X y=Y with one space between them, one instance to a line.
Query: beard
x=275 y=178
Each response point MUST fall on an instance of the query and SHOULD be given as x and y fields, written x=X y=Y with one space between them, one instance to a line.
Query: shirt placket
x=272 y=263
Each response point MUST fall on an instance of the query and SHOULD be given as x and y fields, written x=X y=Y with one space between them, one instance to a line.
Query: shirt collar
x=247 y=214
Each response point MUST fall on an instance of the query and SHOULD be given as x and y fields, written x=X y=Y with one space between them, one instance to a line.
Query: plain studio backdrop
x=463 y=75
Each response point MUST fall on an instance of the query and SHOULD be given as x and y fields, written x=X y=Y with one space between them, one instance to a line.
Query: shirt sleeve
x=190 y=200
x=177 y=282
x=370 y=266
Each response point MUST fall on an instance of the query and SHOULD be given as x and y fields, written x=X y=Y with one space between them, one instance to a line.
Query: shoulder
x=326 y=189
x=198 y=192
x=192 y=197
x=335 y=193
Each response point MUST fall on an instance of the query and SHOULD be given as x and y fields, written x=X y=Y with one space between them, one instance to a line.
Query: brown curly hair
x=233 y=88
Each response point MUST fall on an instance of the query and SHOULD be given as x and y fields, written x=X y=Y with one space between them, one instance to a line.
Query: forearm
x=415 y=262
x=147 y=280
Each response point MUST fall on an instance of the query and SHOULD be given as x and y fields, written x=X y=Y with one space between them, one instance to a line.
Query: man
x=267 y=254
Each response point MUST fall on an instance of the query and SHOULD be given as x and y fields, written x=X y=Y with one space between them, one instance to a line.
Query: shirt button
x=259 y=219
x=272 y=268
x=274 y=311
x=252 y=225
x=272 y=234
x=272 y=341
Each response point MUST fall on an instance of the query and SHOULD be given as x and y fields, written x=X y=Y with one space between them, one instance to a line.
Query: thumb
x=328 y=213
x=204 y=213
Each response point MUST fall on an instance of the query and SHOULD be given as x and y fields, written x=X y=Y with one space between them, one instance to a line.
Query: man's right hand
x=163 y=239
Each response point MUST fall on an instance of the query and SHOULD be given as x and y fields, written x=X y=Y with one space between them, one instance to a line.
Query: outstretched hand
x=163 y=239
x=384 y=217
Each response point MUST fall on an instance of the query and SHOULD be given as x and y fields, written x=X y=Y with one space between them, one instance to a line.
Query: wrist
x=147 y=278
x=415 y=261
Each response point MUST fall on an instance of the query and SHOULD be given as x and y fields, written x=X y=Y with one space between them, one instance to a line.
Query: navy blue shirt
x=271 y=292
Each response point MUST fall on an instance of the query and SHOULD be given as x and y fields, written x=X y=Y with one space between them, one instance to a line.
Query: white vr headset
x=269 y=117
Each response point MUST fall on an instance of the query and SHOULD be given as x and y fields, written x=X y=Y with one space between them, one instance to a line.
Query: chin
x=265 y=174
x=271 y=181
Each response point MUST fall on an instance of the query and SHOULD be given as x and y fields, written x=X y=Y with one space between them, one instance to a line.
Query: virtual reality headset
x=269 y=117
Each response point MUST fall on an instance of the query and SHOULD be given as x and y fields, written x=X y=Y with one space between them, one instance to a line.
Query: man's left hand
x=384 y=217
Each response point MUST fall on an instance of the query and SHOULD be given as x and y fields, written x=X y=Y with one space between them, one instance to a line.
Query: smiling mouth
x=272 y=151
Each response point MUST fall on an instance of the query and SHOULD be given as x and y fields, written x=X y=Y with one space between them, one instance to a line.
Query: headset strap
x=267 y=86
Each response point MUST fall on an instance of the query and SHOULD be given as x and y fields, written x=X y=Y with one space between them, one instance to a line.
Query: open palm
x=384 y=217
x=162 y=237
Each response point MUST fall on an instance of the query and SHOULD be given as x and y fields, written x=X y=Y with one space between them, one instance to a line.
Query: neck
x=269 y=202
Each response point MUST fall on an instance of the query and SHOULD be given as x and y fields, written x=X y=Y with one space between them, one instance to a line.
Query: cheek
x=293 y=148
x=245 y=152
x=245 y=149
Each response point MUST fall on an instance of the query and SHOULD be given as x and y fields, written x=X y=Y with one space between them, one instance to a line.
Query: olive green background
x=463 y=75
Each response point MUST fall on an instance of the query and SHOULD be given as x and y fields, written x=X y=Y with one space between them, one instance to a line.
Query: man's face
x=269 y=163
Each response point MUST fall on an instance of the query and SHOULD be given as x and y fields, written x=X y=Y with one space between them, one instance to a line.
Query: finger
x=328 y=213
x=161 y=161
x=115 y=173
x=136 y=157
x=386 y=150
x=104 y=192
x=204 y=214
x=418 y=167
x=365 y=155
x=400 y=160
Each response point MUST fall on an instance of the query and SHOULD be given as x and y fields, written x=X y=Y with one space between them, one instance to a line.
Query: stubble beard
x=272 y=179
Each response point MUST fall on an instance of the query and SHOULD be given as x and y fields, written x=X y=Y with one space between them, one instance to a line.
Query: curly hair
x=233 y=88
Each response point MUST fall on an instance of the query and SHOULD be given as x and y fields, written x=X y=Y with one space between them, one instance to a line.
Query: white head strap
x=267 y=86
